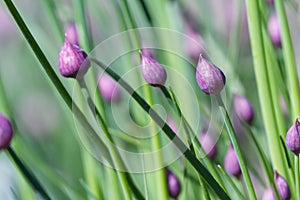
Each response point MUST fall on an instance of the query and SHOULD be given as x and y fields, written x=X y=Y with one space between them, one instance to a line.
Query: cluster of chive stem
x=210 y=79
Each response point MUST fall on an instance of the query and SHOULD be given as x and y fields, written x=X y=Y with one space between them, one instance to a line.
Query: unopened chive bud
x=72 y=61
x=274 y=30
x=153 y=72
x=268 y=195
x=6 y=132
x=243 y=108
x=210 y=78
x=208 y=144
x=282 y=186
x=109 y=88
x=174 y=186
x=293 y=138
x=231 y=163
x=71 y=33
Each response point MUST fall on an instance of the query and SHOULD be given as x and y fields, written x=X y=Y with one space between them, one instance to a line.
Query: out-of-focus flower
x=282 y=186
x=108 y=88
x=71 y=33
x=172 y=124
x=231 y=163
x=293 y=138
x=243 y=108
x=194 y=44
x=174 y=186
x=153 y=72
x=208 y=144
x=6 y=132
x=72 y=61
x=268 y=195
x=210 y=78
x=274 y=30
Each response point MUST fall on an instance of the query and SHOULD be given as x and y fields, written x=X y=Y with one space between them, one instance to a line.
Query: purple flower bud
x=153 y=72
x=6 y=132
x=231 y=163
x=268 y=195
x=210 y=78
x=274 y=30
x=109 y=88
x=293 y=138
x=243 y=108
x=71 y=33
x=282 y=187
x=174 y=186
x=208 y=144
x=72 y=60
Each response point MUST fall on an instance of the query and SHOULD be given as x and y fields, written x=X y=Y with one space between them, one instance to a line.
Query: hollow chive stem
x=28 y=174
x=237 y=149
x=289 y=59
x=172 y=100
x=297 y=177
x=167 y=130
x=124 y=177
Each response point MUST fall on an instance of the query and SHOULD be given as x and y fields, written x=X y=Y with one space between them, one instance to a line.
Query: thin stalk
x=289 y=59
x=204 y=188
x=172 y=100
x=28 y=174
x=160 y=175
x=231 y=183
x=297 y=177
x=115 y=155
x=237 y=149
x=260 y=70
x=167 y=130
x=54 y=79
x=51 y=9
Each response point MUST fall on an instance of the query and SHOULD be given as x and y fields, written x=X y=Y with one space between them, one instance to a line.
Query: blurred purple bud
x=6 y=132
x=270 y=2
x=210 y=78
x=109 y=88
x=208 y=144
x=194 y=44
x=274 y=30
x=172 y=124
x=174 y=186
x=282 y=187
x=268 y=195
x=71 y=33
x=293 y=138
x=231 y=163
x=243 y=108
x=283 y=106
x=153 y=72
x=72 y=60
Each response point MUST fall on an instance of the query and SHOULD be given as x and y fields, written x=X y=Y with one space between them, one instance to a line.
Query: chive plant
x=181 y=57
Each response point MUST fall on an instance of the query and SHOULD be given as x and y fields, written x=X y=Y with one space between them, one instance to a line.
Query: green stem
x=289 y=59
x=231 y=183
x=237 y=149
x=29 y=176
x=260 y=69
x=51 y=9
x=167 y=130
x=297 y=177
x=115 y=155
x=195 y=141
x=55 y=80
